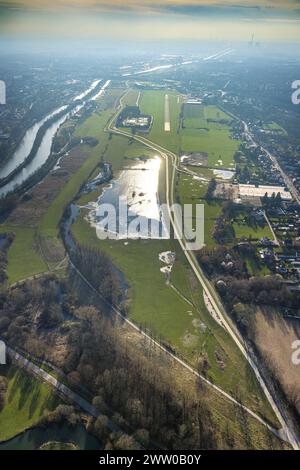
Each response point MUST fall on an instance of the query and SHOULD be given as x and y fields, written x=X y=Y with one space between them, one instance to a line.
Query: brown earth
x=274 y=336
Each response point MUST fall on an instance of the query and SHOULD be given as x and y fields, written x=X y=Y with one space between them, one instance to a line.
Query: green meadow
x=200 y=134
x=153 y=103
x=27 y=399
x=24 y=255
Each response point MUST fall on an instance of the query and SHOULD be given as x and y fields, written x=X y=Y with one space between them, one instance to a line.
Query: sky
x=216 y=20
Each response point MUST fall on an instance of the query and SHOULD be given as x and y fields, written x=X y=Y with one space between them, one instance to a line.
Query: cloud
x=155 y=19
x=189 y=8
x=181 y=6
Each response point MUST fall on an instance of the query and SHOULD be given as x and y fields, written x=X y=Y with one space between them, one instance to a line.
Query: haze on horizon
x=228 y=20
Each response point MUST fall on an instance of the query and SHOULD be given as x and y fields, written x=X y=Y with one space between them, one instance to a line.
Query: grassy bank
x=26 y=401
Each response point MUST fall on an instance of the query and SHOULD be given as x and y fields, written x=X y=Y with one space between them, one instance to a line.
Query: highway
x=288 y=431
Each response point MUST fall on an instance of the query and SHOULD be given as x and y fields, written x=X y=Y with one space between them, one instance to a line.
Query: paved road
x=167 y=125
x=288 y=431
x=275 y=239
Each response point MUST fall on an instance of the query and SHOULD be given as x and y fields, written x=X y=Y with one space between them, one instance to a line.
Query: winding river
x=26 y=144
x=44 y=149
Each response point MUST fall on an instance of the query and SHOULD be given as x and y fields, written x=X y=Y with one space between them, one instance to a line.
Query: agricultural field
x=206 y=129
x=274 y=336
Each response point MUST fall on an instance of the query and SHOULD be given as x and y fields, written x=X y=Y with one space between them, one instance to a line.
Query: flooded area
x=224 y=174
x=135 y=192
x=168 y=259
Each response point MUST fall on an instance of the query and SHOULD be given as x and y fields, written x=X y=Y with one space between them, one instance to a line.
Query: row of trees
x=7 y=204
x=222 y=260
x=259 y=291
x=3 y=390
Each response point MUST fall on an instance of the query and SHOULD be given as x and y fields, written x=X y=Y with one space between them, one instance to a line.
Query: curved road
x=288 y=431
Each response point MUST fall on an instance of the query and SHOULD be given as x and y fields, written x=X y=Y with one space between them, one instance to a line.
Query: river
x=40 y=157
x=26 y=145
x=44 y=149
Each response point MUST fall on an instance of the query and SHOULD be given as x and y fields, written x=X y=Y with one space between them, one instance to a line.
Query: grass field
x=131 y=98
x=24 y=256
x=273 y=126
x=274 y=336
x=26 y=401
x=192 y=191
x=242 y=230
x=198 y=134
x=196 y=116
x=56 y=445
x=152 y=102
x=187 y=328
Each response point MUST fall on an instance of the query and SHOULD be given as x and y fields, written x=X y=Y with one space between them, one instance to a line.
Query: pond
x=224 y=174
x=34 y=438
